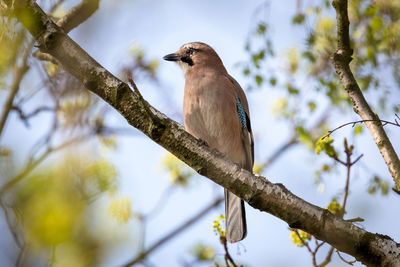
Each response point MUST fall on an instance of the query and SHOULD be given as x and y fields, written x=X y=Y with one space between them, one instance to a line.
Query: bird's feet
x=203 y=142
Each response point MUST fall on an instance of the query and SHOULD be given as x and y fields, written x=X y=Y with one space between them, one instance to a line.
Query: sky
x=161 y=27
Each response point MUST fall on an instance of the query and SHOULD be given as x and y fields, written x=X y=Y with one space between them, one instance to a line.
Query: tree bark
x=341 y=60
x=371 y=249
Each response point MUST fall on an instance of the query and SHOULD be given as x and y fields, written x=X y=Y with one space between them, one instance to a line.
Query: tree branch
x=353 y=123
x=341 y=60
x=75 y=16
x=19 y=73
x=78 y=14
x=371 y=249
x=175 y=232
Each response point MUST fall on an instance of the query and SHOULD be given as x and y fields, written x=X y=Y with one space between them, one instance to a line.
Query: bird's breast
x=209 y=113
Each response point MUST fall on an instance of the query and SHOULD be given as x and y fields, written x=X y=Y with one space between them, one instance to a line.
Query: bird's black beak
x=172 y=57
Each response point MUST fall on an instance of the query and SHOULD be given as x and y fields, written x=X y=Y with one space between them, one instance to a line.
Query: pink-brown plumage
x=210 y=113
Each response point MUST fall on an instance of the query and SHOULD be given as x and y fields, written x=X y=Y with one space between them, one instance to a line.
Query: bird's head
x=196 y=55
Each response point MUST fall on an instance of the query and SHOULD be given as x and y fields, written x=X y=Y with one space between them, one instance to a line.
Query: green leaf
x=304 y=137
x=371 y=10
x=311 y=106
x=334 y=207
x=261 y=28
x=272 y=81
x=259 y=80
x=325 y=145
x=304 y=237
x=292 y=90
x=358 y=129
x=376 y=23
x=298 y=19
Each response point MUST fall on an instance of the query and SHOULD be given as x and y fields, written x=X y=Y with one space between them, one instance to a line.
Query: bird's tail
x=236 y=228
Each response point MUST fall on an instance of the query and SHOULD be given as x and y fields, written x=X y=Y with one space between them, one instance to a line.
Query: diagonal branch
x=341 y=60
x=175 y=232
x=371 y=249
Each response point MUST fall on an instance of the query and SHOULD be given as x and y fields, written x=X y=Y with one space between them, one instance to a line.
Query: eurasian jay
x=215 y=110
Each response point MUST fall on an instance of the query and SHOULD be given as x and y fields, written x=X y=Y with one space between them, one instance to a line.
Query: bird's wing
x=244 y=116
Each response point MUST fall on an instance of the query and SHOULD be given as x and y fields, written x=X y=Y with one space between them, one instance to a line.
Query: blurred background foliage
x=55 y=193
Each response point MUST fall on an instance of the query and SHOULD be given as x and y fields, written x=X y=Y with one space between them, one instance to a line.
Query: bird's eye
x=191 y=50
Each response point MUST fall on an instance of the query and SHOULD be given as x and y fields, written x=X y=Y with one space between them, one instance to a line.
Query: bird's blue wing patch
x=241 y=113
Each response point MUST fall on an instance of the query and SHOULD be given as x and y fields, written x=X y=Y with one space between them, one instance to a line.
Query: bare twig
x=341 y=60
x=20 y=258
x=346 y=261
x=172 y=234
x=291 y=142
x=160 y=203
x=228 y=258
x=278 y=152
x=25 y=117
x=11 y=225
x=139 y=96
x=327 y=258
x=19 y=73
x=358 y=219
x=353 y=123
x=314 y=251
x=349 y=151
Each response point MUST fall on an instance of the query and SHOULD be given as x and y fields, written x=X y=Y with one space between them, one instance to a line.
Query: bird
x=216 y=111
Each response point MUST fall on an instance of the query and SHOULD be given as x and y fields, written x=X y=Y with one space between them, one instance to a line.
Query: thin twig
x=357 y=219
x=327 y=258
x=357 y=159
x=19 y=73
x=348 y=262
x=305 y=244
x=140 y=97
x=160 y=203
x=172 y=234
x=228 y=258
x=292 y=141
x=11 y=225
x=20 y=258
x=348 y=152
x=25 y=117
x=396 y=123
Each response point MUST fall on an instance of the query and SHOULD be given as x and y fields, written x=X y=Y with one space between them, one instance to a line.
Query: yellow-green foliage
x=377 y=184
x=203 y=252
x=55 y=208
x=293 y=59
x=73 y=110
x=218 y=229
x=325 y=145
x=334 y=207
x=299 y=241
x=11 y=38
x=257 y=168
x=120 y=209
